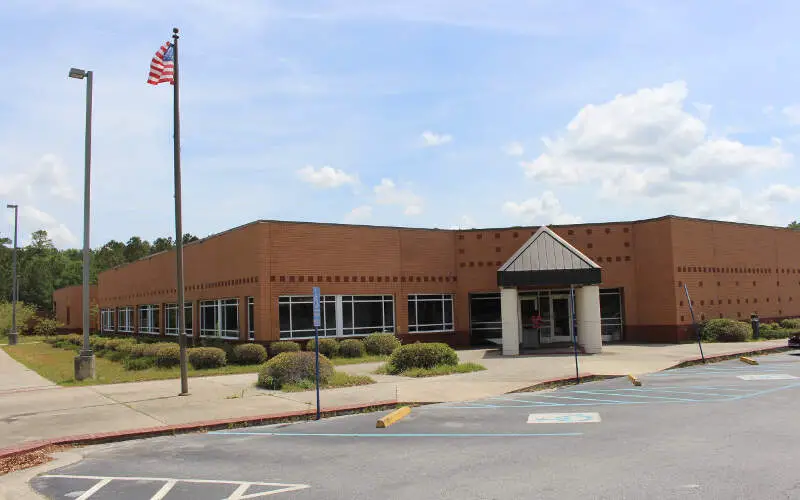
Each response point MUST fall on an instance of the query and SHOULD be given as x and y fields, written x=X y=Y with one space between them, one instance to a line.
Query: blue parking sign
x=317 y=315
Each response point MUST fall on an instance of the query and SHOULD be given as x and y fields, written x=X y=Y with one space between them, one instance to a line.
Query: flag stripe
x=161 y=71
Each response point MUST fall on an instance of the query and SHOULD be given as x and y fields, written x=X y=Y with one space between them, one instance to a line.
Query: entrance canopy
x=546 y=259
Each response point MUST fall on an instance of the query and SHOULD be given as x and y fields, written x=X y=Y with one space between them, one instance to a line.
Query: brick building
x=254 y=282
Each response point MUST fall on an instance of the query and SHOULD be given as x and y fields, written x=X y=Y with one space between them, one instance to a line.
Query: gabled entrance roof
x=546 y=259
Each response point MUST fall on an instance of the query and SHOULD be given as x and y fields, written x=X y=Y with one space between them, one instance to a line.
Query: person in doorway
x=536 y=324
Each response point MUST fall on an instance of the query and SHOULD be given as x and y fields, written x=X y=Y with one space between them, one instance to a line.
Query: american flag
x=162 y=67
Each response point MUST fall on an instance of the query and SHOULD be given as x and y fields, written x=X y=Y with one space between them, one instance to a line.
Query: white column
x=509 y=312
x=587 y=309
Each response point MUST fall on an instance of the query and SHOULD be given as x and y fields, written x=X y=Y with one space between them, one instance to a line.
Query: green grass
x=21 y=339
x=339 y=379
x=435 y=371
x=369 y=358
x=57 y=365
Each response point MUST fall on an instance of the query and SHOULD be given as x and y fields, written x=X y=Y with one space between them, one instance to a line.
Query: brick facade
x=731 y=269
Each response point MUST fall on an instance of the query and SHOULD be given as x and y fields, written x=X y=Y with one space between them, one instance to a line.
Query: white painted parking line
x=238 y=494
x=768 y=376
x=563 y=418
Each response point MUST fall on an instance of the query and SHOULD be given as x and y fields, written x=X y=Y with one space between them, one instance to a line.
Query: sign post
x=317 y=323
x=694 y=322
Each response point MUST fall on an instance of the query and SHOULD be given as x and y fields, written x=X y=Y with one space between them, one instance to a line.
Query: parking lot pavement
x=725 y=430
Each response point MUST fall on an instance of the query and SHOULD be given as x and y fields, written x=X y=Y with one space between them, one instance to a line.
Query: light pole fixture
x=85 y=361
x=13 y=336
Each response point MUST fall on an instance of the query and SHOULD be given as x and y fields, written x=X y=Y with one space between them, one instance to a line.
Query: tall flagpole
x=181 y=313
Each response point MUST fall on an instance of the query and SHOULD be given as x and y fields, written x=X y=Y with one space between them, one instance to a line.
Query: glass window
x=125 y=319
x=107 y=320
x=219 y=318
x=611 y=313
x=430 y=313
x=485 y=321
x=148 y=319
x=296 y=316
x=251 y=322
x=171 y=318
x=365 y=314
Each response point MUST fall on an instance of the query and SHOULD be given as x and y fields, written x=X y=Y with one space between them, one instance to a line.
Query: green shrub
x=381 y=343
x=75 y=339
x=775 y=333
x=55 y=338
x=115 y=355
x=249 y=354
x=24 y=314
x=123 y=345
x=765 y=327
x=352 y=348
x=148 y=350
x=225 y=345
x=293 y=368
x=327 y=347
x=206 y=357
x=791 y=323
x=419 y=355
x=98 y=343
x=46 y=327
x=139 y=363
x=282 y=346
x=726 y=330
x=167 y=355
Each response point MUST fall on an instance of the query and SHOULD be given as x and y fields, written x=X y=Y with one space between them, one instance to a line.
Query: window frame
x=334 y=327
x=127 y=311
x=172 y=308
x=220 y=306
x=151 y=312
x=445 y=298
x=107 y=320
x=251 y=321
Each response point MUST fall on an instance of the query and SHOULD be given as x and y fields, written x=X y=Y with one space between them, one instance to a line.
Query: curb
x=207 y=425
x=561 y=381
x=731 y=355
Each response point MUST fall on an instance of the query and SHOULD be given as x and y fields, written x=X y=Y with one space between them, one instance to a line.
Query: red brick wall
x=71 y=298
x=733 y=270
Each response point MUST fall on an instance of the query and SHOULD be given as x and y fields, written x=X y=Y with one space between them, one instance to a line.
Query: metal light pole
x=84 y=361
x=13 y=335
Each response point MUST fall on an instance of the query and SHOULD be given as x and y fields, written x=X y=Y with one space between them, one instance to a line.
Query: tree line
x=42 y=268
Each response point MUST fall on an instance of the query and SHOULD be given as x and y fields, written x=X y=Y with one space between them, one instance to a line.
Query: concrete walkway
x=32 y=408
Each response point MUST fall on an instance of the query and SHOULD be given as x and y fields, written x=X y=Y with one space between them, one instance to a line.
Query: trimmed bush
x=206 y=357
x=168 y=355
x=283 y=346
x=98 y=343
x=54 y=339
x=249 y=354
x=123 y=345
x=351 y=348
x=293 y=368
x=115 y=355
x=75 y=339
x=138 y=363
x=726 y=330
x=327 y=347
x=419 y=355
x=791 y=323
x=381 y=343
x=225 y=345
x=767 y=327
x=46 y=327
x=148 y=350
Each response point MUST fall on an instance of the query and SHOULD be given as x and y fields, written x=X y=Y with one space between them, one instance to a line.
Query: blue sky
x=415 y=113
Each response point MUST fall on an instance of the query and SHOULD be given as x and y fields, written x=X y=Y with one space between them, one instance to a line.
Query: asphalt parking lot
x=724 y=430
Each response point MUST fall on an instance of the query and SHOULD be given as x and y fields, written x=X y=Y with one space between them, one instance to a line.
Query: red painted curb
x=165 y=430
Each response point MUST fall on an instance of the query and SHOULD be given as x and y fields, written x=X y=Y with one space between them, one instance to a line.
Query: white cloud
x=31 y=216
x=326 y=177
x=358 y=214
x=387 y=193
x=780 y=193
x=792 y=113
x=514 y=149
x=432 y=139
x=646 y=147
x=545 y=209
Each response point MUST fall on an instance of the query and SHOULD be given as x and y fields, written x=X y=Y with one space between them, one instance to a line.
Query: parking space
x=717 y=431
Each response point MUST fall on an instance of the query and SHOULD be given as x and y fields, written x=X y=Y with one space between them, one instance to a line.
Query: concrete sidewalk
x=32 y=408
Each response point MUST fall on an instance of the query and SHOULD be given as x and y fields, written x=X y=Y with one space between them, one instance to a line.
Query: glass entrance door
x=561 y=318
